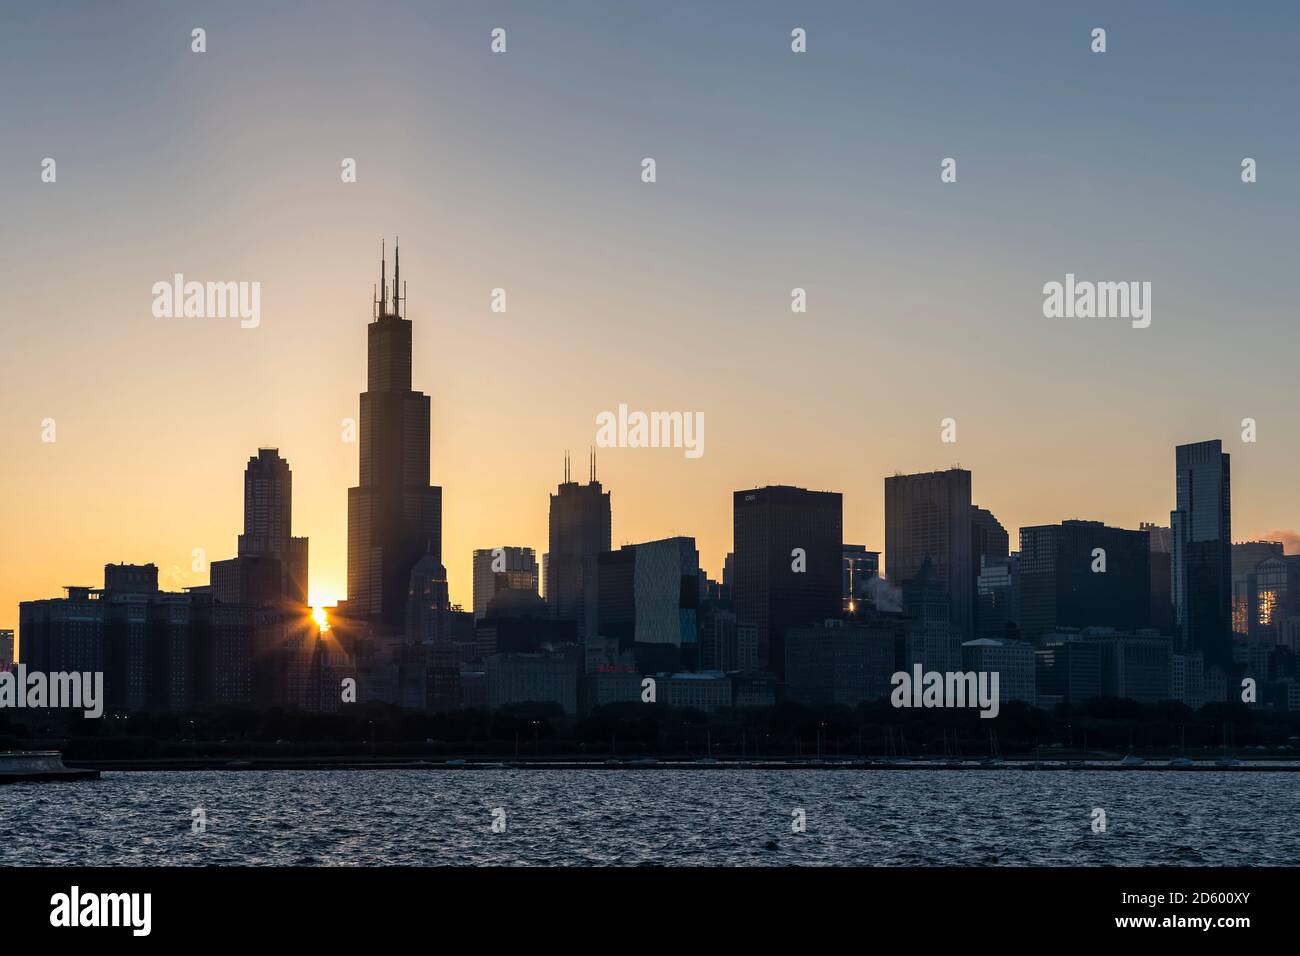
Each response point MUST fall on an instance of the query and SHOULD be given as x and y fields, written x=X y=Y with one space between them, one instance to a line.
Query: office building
x=928 y=518
x=839 y=662
x=1201 y=533
x=394 y=513
x=1063 y=584
x=861 y=567
x=502 y=569
x=1012 y=661
x=788 y=563
x=649 y=601
x=580 y=523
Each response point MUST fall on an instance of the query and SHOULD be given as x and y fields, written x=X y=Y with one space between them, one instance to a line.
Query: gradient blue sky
x=522 y=171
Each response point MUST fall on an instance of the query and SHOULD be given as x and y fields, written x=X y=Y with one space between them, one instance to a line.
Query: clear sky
x=522 y=171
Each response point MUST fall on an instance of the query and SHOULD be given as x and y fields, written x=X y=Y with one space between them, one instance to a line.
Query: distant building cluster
x=1078 y=610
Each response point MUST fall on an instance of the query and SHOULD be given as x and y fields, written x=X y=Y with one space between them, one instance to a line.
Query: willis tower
x=394 y=514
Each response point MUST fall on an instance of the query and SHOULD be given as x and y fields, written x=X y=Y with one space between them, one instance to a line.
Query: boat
x=1181 y=762
x=1132 y=760
x=39 y=766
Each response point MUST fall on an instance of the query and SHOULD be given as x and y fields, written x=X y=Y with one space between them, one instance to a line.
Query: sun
x=322 y=619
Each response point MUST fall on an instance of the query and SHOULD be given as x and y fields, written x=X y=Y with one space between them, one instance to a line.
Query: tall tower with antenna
x=394 y=513
x=580 y=531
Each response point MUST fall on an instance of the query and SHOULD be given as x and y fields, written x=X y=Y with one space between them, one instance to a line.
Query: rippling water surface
x=654 y=817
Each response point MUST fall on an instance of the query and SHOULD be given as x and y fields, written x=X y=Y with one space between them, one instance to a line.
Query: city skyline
x=626 y=292
x=325 y=596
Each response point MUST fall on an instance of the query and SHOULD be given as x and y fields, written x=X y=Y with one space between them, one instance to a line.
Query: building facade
x=788 y=565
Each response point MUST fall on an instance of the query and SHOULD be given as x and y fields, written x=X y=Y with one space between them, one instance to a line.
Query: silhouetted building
x=1187 y=680
x=532 y=678
x=268 y=511
x=6 y=646
x=1062 y=584
x=860 y=568
x=499 y=569
x=394 y=513
x=1012 y=661
x=788 y=563
x=997 y=595
x=1075 y=665
x=271 y=564
x=840 y=663
x=1162 y=595
x=990 y=544
x=705 y=691
x=1202 y=551
x=1251 y=607
x=580 y=523
x=929 y=517
x=520 y=622
x=649 y=599
x=134 y=634
x=929 y=637
x=989 y=540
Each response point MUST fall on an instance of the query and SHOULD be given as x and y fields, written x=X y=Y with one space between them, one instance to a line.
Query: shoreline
x=647 y=763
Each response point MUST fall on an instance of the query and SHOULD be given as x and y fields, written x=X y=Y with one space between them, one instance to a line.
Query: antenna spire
x=397 y=271
x=383 y=278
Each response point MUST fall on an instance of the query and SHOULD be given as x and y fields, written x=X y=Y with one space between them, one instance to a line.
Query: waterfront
x=669 y=817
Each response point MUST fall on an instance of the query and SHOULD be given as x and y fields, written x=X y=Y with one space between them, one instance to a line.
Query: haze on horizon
x=521 y=171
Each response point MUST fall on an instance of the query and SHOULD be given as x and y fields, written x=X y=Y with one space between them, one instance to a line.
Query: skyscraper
x=1062 y=584
x=860 y=569
x=394 y=513
x=1162 y=600
x=928 y=516
x=788 y=563
x=990 y=546
x=649 y=603
x=1202 y=551
x=270 y=568
x=268 y=514
x=580 y=532
x=501 y=569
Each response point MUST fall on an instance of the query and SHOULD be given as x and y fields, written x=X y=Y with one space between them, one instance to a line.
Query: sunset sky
x=522 y=171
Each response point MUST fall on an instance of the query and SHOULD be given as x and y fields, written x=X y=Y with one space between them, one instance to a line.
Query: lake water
x=654 y=817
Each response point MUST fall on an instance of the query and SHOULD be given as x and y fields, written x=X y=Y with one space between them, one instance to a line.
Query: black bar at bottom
x=333 y=905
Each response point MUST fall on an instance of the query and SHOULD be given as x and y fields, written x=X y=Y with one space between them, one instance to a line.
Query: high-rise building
x=6 y=647
x=1201 y=535
x=990 y=545
x=268 y=514
x=1162 y=595
x=394 y=513
x=1064 y=582
x=788 y=563
x=580 y=531
x=271 y=564
x=502 y=569
x=861 y=567
x=989 y=540
x=1160 y=535
x=649 y=600
x=928 y=517
x=1247 y=558
x=997 y=595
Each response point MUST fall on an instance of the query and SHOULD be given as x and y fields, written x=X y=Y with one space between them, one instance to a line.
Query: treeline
x=634 y=729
